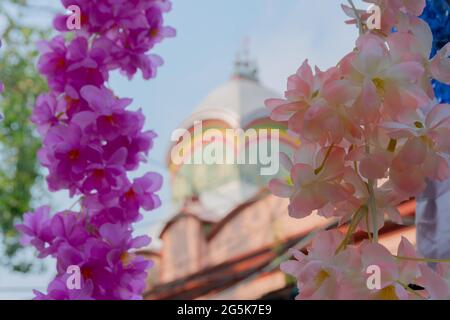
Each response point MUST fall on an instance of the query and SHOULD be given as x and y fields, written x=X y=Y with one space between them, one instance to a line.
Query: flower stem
x=421 y=259
x=372 y=201
x=373 y=210
x=407 y=288
x=319 y=169
x=75 y=203
x=368 y=229
x=358 y=18
x=360 y=213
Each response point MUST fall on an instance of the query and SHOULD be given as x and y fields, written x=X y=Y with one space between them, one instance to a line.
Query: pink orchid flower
x=391 y=12
x=313 y=105
x=383 y=81
x=427 y=143
x=303 y=91
x=413 y=42
x=386 y=202
x=436 y=282
x=440 y=65
x=323 y=275
x=397 y=274
x=314 y=179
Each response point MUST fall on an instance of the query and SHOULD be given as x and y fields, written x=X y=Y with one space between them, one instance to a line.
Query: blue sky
x=282 y=34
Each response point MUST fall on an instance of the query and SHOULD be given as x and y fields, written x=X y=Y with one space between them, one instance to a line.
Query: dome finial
x=244 y=67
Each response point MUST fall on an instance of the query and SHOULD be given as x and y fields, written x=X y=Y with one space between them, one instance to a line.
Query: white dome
x=237 y=102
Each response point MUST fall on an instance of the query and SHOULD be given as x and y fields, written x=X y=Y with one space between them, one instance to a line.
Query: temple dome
x=237 y=102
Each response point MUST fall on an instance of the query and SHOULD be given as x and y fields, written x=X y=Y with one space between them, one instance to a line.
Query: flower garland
x=372 y=133
x=90 y=142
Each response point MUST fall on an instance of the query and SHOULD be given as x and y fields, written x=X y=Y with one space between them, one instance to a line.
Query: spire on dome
x=244 y=67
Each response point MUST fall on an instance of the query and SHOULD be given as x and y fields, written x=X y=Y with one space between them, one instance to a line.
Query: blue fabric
x=436 y=14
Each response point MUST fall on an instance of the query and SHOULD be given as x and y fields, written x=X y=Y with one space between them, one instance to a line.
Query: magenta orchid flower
x=90 y=142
